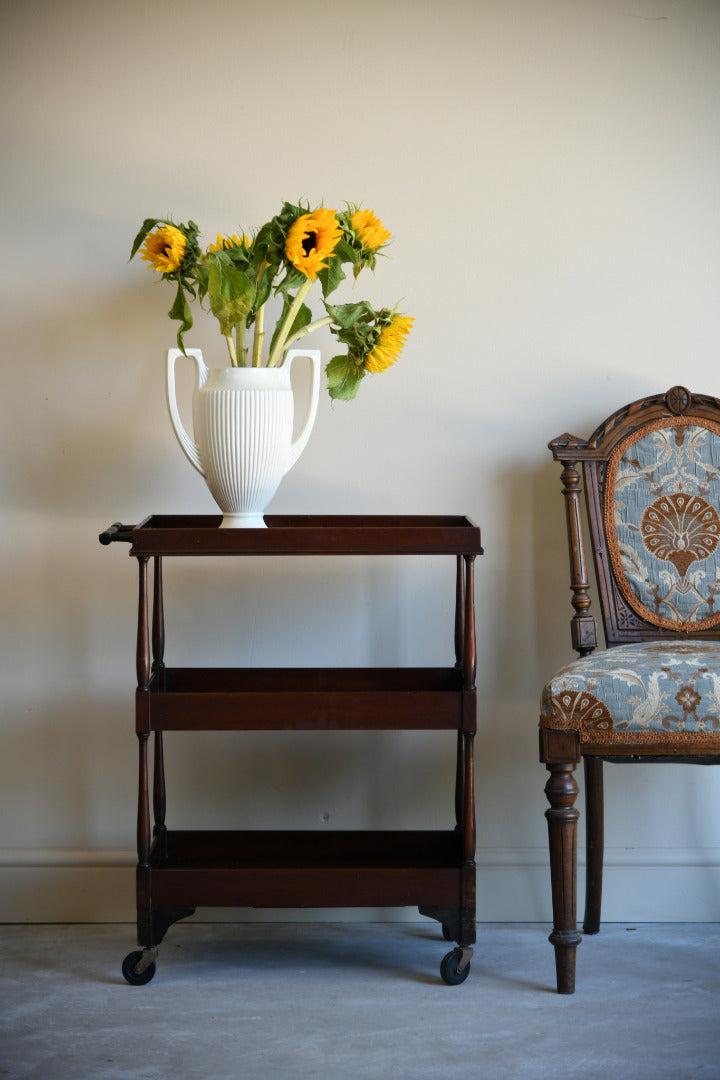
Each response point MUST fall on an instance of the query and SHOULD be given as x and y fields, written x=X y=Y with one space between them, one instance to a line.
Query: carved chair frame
x=561 y=750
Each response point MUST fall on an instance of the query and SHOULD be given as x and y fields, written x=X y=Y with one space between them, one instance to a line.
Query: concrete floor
x=340 y=1001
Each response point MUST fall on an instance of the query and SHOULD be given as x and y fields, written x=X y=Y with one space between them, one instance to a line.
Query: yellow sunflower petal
x=311 y=239
x=390 y=345
x=224 y=243
x=369 y=229
x=164 y=249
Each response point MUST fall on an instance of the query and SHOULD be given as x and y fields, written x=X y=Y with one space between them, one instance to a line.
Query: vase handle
x=188 y=445
x=298 y=445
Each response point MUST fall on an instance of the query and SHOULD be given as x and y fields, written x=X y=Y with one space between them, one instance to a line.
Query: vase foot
x=243 y=521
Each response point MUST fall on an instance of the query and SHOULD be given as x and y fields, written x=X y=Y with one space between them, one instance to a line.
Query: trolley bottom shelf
x=267 y=868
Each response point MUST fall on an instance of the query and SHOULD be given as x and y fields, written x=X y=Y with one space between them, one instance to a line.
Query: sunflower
x=389 y=345
x=369 y=230
x=311 y=239
x=226 y=243
x=165 y=249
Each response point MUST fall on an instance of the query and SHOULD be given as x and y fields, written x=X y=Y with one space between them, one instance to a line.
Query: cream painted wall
x=550 y=173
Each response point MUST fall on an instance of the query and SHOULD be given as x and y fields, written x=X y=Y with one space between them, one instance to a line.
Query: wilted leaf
x=343 y=377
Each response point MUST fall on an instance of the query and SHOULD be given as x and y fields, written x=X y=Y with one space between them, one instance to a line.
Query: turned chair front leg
x=562 y=790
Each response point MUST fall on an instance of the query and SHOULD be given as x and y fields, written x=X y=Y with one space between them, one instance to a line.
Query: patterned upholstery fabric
x=661 y=516
x=657 y=691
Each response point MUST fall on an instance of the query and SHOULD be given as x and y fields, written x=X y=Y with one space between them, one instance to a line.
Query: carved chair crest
x=652 y=485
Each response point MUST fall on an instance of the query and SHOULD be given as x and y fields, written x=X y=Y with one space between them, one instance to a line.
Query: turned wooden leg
x=595 y=843
x=561 y=790
x=459 y=781
x=158 y=667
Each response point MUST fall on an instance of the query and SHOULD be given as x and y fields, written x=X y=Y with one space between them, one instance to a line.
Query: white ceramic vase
x=243 y=427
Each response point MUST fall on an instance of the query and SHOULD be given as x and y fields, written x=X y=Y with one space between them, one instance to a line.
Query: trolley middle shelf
x=272 y=699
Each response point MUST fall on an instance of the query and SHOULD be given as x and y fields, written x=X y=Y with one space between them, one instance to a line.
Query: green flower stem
x=259 y=320
x=241 y=358
x=289 y=320
x=259 y=335
x=231 y=349
x=309 y=329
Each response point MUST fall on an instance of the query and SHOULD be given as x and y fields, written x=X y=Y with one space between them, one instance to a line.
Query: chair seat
x=660 y=691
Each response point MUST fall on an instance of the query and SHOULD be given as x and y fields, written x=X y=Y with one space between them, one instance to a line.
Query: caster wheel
x=446 y=933
x=133 y=977
x=449 y=968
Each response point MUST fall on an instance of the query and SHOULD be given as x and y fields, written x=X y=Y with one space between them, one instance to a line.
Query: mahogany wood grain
x=584 y=635
x=594 y=843
x=143 y=816
x=459 y=611
x=308 y=535
x=158 y=653
x=469 y=644
x=433 y=870
x=143 y=635
x=562 y=790
x=310 y=699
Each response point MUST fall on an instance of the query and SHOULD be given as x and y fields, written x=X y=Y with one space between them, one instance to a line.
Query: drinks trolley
x=179 y=870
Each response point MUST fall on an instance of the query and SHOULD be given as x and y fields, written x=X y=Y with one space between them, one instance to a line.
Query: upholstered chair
x=651 y=474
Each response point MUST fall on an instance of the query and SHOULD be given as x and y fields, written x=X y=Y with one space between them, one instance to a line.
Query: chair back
x=652 y=493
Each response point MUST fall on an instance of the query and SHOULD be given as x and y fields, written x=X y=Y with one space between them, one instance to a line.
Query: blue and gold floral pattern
x=663 y=527
x=657 y=691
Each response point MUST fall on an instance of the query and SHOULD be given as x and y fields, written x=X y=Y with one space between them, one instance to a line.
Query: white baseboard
x=513 y=885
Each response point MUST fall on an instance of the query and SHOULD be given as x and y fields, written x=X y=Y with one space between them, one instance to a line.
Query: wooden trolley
x=180 y=870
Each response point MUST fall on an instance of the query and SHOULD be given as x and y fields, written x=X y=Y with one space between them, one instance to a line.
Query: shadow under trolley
x=179 y=870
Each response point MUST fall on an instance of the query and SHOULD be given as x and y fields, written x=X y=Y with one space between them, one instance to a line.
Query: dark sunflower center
x=309 y=243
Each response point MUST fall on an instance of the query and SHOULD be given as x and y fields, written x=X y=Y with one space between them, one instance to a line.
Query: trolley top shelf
x=302 y=535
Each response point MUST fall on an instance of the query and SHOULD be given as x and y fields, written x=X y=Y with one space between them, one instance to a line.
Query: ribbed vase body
x=243 y=434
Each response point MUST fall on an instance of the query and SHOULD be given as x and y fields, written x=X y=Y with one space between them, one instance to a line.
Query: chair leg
x=562 y=790
x=595 y=843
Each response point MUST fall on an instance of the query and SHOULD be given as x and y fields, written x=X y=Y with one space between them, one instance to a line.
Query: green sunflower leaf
x=181 y=312
x=202 y=274
x=303 y=318
x=343 y=377
x=231 y=294
x=265 y=246
x=345 y=252
x=147 y=226
x=293 y=280
x=347 y=315
x=331 y=276
x=264 y=286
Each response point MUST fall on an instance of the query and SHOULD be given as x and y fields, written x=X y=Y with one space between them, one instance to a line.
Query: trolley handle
x=117 y=532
